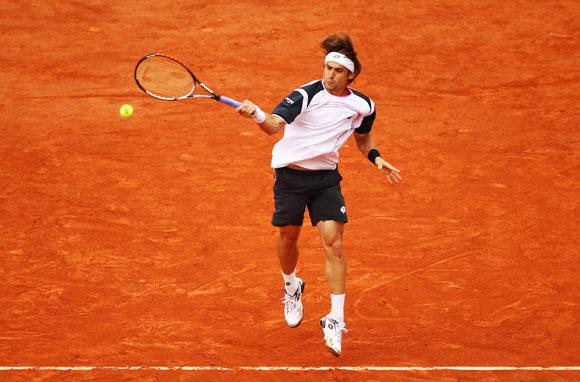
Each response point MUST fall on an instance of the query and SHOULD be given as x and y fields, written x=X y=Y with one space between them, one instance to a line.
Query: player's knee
x=332 y=243
x=289 y=236
x=331 y=234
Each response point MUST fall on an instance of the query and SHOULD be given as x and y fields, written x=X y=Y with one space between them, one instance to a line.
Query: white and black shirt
x=317 y=125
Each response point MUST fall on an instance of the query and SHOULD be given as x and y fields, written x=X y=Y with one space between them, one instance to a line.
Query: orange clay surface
x=147 y=241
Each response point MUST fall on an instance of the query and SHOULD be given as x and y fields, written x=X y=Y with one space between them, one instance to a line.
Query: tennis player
x=317 y=119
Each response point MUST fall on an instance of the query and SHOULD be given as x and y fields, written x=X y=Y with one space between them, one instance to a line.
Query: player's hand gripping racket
x=167 y=79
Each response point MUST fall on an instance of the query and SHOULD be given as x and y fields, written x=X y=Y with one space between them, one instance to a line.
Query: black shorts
x=319 y=190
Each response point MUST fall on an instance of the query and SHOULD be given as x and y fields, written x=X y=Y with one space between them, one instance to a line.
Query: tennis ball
x=126 y=110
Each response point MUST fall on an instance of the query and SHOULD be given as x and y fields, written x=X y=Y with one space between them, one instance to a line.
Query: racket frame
x=212 y=95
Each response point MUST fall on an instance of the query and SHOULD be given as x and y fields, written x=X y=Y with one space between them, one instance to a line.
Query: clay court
x=141 y=249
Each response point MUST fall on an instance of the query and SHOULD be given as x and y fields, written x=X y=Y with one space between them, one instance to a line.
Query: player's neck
x=340 y=92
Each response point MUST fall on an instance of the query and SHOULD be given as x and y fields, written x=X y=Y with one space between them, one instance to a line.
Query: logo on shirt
x=289 y=101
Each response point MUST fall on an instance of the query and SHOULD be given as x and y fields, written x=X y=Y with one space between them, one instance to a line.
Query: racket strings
x=165 y=78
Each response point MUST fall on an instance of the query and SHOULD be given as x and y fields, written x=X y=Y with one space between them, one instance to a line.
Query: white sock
x=290 y=283
x=337 y=309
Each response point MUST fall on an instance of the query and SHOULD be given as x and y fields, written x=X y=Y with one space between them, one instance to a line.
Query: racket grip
x=229 y=101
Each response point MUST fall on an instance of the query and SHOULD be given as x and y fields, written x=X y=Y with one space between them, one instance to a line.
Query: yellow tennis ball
x=126 y=110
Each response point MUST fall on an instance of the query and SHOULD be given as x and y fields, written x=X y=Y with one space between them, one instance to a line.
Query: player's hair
x=342 y=43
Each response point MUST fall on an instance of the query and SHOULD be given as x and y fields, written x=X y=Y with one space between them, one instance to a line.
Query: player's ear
x=351 y=76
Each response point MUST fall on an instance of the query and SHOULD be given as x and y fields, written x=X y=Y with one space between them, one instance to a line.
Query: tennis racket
x=165 y=78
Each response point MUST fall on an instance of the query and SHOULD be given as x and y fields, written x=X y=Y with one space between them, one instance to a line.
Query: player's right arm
x=271 y=123
x=284 y=113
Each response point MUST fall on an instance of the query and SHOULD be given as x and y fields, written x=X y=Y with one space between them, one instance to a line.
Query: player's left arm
x=366 y=144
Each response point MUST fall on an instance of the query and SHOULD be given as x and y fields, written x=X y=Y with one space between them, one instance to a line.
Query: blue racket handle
x=229 y=101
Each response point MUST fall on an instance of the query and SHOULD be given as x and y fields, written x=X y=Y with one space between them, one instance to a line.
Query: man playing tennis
x=317 y=119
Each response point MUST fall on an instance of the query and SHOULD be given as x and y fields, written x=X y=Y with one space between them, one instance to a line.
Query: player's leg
x=333 y=325
x=331 y=233
x=328 y=213
x=288 y=215
x=288 y=256
x=293 y=285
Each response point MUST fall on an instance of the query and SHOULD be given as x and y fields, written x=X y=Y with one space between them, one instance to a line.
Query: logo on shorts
x=343 y=209
x=289 y=101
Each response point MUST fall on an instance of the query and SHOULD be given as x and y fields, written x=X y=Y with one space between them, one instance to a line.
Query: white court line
x=291 y=368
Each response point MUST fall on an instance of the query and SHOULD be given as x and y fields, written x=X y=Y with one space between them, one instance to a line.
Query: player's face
x=335 y=78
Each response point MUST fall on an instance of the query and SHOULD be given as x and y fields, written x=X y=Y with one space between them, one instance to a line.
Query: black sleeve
x=366 y=124
x=290 y=107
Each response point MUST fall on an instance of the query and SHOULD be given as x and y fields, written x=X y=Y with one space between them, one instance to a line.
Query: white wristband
x=259 y=115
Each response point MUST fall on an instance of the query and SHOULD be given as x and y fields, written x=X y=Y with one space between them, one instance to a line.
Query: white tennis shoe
x=293 y=310
x=333 y=331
